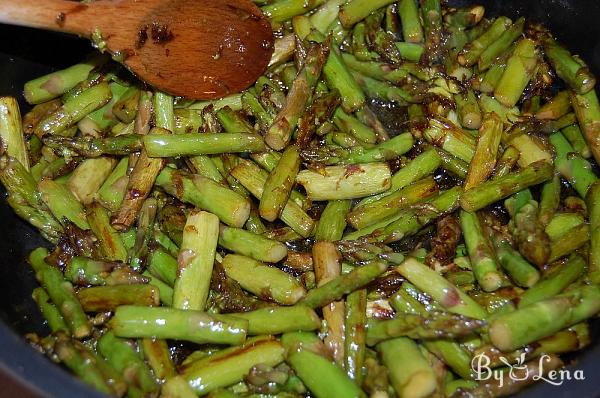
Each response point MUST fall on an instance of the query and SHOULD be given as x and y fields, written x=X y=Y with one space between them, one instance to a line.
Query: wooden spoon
x=200 y=49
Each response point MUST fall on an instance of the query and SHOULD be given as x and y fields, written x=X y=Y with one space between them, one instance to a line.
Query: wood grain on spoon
x=200 y=49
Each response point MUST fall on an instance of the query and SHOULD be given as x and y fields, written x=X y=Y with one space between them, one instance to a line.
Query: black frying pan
x=25 y=54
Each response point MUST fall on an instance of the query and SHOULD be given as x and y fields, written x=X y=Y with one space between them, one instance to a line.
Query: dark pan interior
x=26 y=53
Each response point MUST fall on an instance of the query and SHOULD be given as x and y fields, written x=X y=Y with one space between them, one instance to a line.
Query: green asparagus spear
x=569 y=242
x=161 y=146
x=62 y=203
x=593 y=203
x=512 y=330
x=178 y=387
x=47 y=87
x=518 y=72
x=61 y=293
x=557 y=107
x=332 y=223
x=280 y=132
x=575 y=137
x=549 y=200
x=55 y=320
x=343 y=284
x=456 y=357
x=279 y=320
x=409 y=222
x=411 y=24
x=204 y=193
x=410 y=373
x=465 y=17
x=555 y=282
x=520 y=271
x=253 y=179
x=502 y=44
x=499 y=188
x=356 y=10
x=86 y=271
x=373 y=212
x=195 y=261
x=171 y=323
x=436 y=325
x=108 y=298
x=587 y=110
x=81 y=362
x=128 y=363
x=313 y=369
x=468 y=110
x=339 y=182
x=576 y=75
x=264 y=281
x=281 y=10
x=85 y=181
x=251 y=245
x=571 y=165
x=484 y=159
x=74 y=110
x=472 y=51
x=448 y=295
x=112 y=191
x=110 y=242
x=450 y=138
x=481 y=253
x=355 y=334
x=12 y=141
x=95 y=147
x=278 y=186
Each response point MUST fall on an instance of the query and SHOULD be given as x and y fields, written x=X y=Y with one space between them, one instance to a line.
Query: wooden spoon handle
x=58 y=15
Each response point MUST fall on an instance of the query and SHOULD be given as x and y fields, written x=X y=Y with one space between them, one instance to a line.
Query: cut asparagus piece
x=253 y=179
x=481 y=252
x=555 y=282
x=434 y=326
x=279 y=184
x=344 y=284
x=269 y=283
x=313 y=369
x=411 y=374
x=576 y=75
x=74 y=110
x=88 y=177
x=519 y=70
x=206 y=194
x=349 y=182
x=511 y=330
x=121 y=356
x=280 y=132
x=593 y=203
x=229 y=366
x=435 y=285
x=499 y=188
x=108 y=298
x=61 y=293
x=571 y=165
x=195 y=261
x=587 y=110
x=332 y=223
x=55 y=320
x=279 y=320
x=12 y=140
x=484 y=159
x=252 y=245
x=177 y=324
x=52 y=85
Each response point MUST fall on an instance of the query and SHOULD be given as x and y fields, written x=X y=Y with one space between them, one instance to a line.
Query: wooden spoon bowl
x=200 y=49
